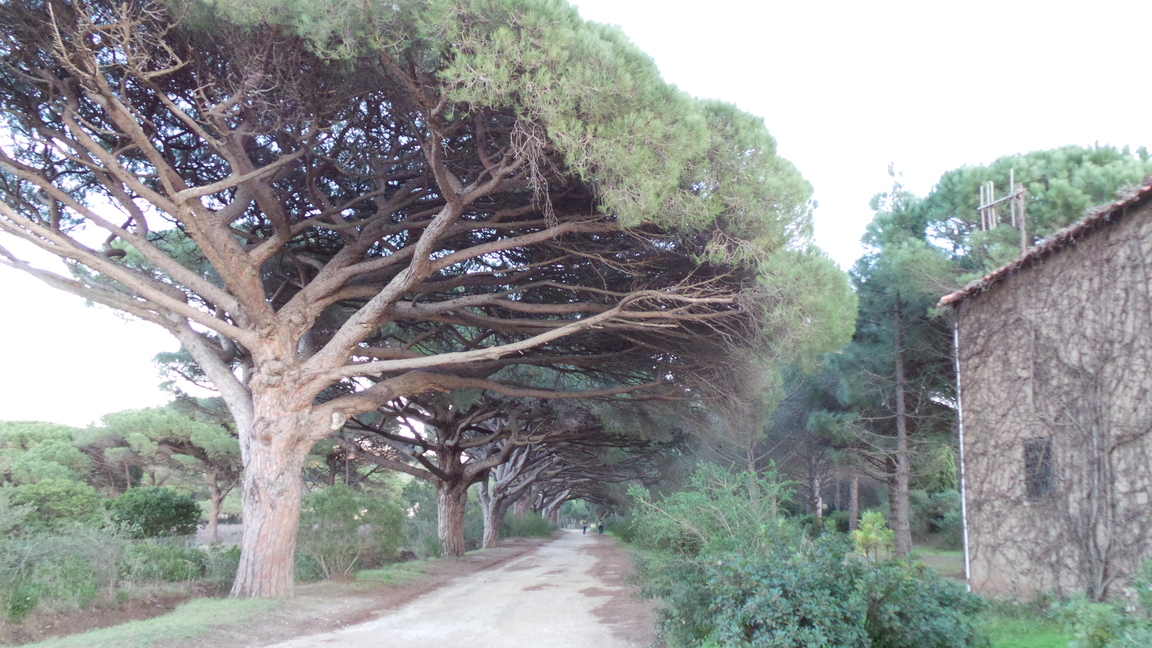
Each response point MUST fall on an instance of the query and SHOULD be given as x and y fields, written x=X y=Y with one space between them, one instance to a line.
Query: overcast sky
x=845 y=87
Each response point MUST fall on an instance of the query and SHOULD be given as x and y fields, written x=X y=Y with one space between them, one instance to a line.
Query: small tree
x=341 y=529
x=155 y=512
x=873 y=535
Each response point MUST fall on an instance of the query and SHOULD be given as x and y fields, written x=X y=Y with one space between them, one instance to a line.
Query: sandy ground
x=568 y=592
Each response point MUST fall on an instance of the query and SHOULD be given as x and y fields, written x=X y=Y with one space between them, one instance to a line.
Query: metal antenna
x=990 y=219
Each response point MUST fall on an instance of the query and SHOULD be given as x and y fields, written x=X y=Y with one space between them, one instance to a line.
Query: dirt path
x=568 y=592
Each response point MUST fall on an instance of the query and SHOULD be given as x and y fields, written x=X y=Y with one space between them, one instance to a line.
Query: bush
x=65 y=569
x=57 y=502
x=220 y=564
x=815 y=596
x=1104 y=625
x=623 y=528
x=148 y=561
x=155 y=512
x=342 y=530
x=837 y=521
x=733 y=573
x=532 y=525
x=420 y=525
x=938 y=513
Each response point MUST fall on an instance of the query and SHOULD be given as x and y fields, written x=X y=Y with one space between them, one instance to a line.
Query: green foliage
x=66 y=568
x=1061 y=184
x=654 y=153
x=342 y=529
x=938 y=513
x=155 y=512
x=734 y=574
x=532 y=525
x=719 y=513
x=1111 y=625
x=220 y=563
x=813 y=596
x=151 y=561
x=55 y=502
x=163 y=442
x=872 y=536
x=31 y=451
x=51 y=459
x=622 y=527
x=420 y=533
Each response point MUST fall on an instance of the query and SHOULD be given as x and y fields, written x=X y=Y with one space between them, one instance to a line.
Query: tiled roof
x=1063 y=238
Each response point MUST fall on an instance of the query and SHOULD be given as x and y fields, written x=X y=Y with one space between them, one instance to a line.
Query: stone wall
x=1056 y=388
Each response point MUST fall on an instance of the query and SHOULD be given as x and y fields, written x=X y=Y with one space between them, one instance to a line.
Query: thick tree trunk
x=854 y=503
x=272 y=489
x=898 y=491
x=450 y=502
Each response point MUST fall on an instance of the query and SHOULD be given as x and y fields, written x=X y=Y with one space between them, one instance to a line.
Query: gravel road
x=568 y=592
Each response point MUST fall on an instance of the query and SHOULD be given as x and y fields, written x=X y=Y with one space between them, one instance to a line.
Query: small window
x=1038 y=468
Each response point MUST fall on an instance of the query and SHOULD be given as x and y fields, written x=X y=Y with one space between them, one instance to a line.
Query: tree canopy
x=336 y=205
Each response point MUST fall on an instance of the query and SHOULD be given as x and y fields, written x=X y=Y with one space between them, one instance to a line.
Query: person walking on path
x=601 y=528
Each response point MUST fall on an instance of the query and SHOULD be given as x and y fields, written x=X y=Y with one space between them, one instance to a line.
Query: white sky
x=846 y=88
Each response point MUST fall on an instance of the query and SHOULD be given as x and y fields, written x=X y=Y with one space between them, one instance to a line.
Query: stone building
x=1054 y=363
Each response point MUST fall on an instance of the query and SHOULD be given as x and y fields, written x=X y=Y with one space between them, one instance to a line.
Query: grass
x=396 y=574
x=198 y=616
x=185 y=622
x=948 y=563
x=1024 y=631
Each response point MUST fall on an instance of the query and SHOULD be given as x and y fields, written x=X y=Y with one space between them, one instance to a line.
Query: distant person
x=585 y=528
x=601 y=528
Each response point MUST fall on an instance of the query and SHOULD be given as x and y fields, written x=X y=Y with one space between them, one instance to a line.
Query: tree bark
x=854 y=503
x=898 y=491
x=493 y=519
x=215 y=500
x=272 y=491
x=521 y=507
x=451 y=500
x=815 y=500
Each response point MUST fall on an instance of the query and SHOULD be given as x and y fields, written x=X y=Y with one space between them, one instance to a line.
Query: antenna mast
x=989 y=215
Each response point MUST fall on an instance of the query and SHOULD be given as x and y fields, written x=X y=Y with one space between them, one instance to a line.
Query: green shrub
x=623 y=528
x=22 y=599
x=532 y=525
x=1104 y=625
x=936 y=513
x=837 y=521
x=149 y=561
x=342 y=529
x=57 y=502
x=220 y=564
x=307 y=569
x=813 y=595
x=69 y=580
x=420 y=524
x=62 y=570
x=155 y=512
x=733 y=573
x=872 y=536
